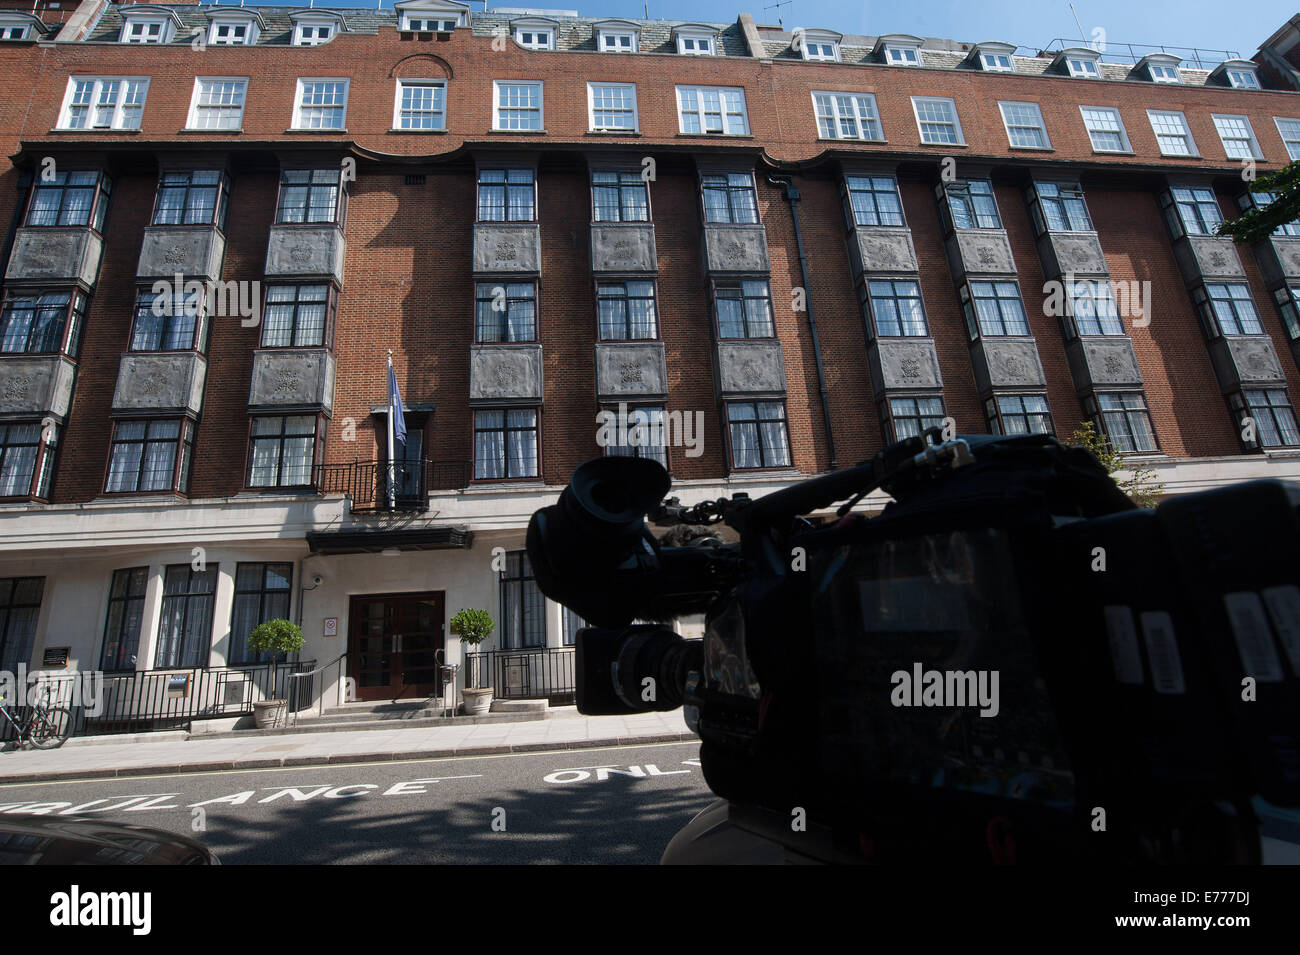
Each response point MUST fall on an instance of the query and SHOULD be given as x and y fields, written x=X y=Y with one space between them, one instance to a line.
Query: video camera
x=1011 y=663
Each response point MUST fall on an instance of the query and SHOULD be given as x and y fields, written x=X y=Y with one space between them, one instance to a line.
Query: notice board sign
x=55 y=657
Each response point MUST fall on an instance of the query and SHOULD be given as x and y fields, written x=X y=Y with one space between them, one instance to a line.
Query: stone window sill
x=60 y=131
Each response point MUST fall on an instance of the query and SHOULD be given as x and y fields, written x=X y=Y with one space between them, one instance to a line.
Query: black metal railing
x=368 y=483
x=147 y=700
x=1113 y=51
x=529 y=673
x=307 y=688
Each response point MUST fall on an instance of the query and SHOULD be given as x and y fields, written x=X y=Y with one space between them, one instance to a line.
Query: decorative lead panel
x=1102 y=361
x=306 y=251
x=508 y=248
x=505 y=373
x=195 y=253
x=1279 y=260
x=36 y=387
x=1076 y=252
x=631 y=370
x=750 y=367
x=292 y=378
x=881 y=251
x=1245 y=360
x=980 y=253
x=1207 y=257
x=1006 y=363
x=623 y=247
x=46 y=255
x=732 y=248
x=160 y=382
x=903 y=364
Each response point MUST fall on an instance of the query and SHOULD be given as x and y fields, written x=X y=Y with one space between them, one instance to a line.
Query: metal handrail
x=320 y=708
x=294 y=676
x=367 y=483
x=1201 y=58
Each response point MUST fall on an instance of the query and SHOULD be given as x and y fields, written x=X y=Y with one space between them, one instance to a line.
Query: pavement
x=564 y=729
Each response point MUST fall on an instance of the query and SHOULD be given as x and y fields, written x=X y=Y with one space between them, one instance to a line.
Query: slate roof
x=577 y=33
x=573 y=33
x=958 y=59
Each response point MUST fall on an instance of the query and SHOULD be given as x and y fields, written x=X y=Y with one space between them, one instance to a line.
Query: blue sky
x=1208 y=24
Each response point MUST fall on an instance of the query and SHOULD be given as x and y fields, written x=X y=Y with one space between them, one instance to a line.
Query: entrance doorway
x=393 y=644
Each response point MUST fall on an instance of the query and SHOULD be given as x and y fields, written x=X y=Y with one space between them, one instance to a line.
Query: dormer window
x=21 y=26
x=1243 y=79
x=899 y=49
x=820 y=45
x=146 y=30
x=618 y=42
x=695 y=40
x=617 y=36
x=1084 y=67
x=1158 y=68
x=431 y=16
x=228 y=34
x=312 y=34
x=312 y=27
x=535 y=39
x=1239 y=74
x=415 y=24
x=534 y=33
x=17 y=28
x=233 y=28
x=993 y=57
x=147 y=23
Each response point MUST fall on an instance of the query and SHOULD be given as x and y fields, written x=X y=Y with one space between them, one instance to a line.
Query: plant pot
x=477 y=700
x=267 y=713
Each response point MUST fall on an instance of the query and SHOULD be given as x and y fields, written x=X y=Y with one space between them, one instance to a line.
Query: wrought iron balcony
x=368 y=483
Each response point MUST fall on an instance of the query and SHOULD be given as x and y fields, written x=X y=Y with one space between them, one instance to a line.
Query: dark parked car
x=43 y=840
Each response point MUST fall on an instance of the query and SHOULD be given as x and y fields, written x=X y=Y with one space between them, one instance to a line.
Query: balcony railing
x=146 y=700
x=1114 y=51
x=368 y=483
x=529 y=673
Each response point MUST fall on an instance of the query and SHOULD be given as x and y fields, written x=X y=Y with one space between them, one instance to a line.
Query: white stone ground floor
x=76 y=550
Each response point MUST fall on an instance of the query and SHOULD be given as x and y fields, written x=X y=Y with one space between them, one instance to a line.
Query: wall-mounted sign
x=55 y=657
x=178 y=685
x=331 y=626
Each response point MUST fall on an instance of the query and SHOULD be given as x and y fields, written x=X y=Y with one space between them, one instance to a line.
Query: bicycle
x=44 y=726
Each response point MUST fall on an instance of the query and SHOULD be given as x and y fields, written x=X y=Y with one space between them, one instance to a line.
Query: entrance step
x=519 y=706
x=401 y=710
x=332 y=724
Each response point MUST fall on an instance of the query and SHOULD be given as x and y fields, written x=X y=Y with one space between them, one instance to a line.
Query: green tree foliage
x=1258 y=224
x=275 y=637
x=1141 y=484
x=472 y=626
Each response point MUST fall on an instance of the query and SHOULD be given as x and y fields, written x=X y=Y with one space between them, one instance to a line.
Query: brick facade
x=408 y=285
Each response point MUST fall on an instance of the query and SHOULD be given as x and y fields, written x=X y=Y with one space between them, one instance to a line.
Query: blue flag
x=395 y=409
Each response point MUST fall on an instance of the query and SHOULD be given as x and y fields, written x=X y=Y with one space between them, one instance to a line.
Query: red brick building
x=786 y=248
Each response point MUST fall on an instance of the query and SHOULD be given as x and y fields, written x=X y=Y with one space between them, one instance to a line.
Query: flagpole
x=392 y=465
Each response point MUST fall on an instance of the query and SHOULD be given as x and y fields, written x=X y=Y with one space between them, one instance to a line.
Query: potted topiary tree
x=274 y=637
x=473 y=627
